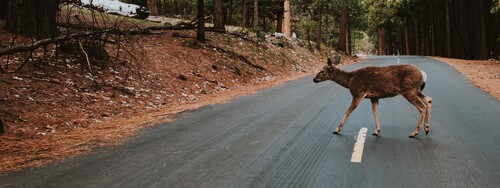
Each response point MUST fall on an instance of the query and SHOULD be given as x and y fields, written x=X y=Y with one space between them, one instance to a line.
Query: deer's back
x=381 y=82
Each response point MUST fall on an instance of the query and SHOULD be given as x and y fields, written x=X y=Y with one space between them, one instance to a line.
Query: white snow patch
x=114 y=6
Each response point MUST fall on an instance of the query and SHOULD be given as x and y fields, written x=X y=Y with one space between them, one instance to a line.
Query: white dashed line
x=357 y=152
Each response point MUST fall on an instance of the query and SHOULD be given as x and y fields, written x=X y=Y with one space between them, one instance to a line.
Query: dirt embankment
x=485 y=74
x=52 y=110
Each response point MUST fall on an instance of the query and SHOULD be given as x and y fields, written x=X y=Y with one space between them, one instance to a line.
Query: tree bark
x=349 y=29
x=245 y=14
x=417 y=38
x=318 y=29
x=176 y=7
x=153 y=10
x=200 y=34
x=255 y=21
x=433 y=30
x=286 y=19
x=343 y=29
x=218 y=16
x=448 y=32
x=381 y=33
x=279 y=21
x=308 y=33
x=483 y=51
x=407 y=42
x=230 y=13
x=33 y=17
x=4 y=9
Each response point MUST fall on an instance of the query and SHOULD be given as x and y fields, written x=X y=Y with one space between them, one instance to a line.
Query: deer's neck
x=342 y=78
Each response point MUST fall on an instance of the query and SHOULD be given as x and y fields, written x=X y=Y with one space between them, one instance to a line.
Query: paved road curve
x=281 y=137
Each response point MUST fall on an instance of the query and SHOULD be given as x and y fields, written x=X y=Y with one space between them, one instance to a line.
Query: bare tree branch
x=43 y=42
x=86 y=57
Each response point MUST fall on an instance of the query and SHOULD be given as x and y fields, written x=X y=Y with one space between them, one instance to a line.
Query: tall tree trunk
x=388 y=41
x=4 y=9
x=33 y=17
x=483 y=51
x=318 y=29
x=200 y=34
x=279 y=21
x=218 y=16
x=433 y=29
x=343 y=29
x=349 y=34
x=381 y=33
x=255 y=21
x=153 y=9
x=286 y=19
x=245 y=14
x=230 y=13
x=417 y=38
x=176 y=7
x=308 y=33
x=407 y=42
x=448 y=28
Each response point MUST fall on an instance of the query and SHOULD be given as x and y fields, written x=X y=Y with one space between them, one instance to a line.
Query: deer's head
x=328 y=71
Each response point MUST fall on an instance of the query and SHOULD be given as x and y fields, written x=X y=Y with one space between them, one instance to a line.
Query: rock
x=182 y=77
x=2 y=127
x=214 y=67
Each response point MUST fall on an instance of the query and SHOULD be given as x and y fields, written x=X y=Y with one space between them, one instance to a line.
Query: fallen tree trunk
x=47 y=41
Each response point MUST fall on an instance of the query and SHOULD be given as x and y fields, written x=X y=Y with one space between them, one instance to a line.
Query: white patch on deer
x=357 y=152
x=424 y=76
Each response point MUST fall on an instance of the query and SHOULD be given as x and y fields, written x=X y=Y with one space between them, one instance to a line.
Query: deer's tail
x=424 y=79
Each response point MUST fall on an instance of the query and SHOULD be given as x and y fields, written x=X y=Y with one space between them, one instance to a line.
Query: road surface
x=282 y=137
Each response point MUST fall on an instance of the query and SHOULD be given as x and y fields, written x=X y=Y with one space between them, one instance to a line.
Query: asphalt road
x=282 y=137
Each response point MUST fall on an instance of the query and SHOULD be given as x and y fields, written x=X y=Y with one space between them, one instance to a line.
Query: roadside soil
x=485 y=74
x=56 y=109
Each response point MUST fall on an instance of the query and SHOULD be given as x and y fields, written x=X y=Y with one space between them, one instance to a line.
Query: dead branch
x=86 y=57
x=44 y=42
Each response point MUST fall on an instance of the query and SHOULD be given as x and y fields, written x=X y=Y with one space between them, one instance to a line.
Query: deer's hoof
x=426 y=132
x=375 y=134
x=335 y=132
x=413 y=135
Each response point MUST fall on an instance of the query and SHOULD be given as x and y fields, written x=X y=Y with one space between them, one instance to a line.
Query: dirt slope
x=52 y=110
x=485 y=74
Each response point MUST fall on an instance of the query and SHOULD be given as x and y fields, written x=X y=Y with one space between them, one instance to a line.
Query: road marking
x=357 y=152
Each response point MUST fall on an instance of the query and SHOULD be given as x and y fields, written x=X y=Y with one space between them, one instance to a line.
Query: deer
x=376 y=83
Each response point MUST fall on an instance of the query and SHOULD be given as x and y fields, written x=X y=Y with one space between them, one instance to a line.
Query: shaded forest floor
x=53 y=110
x=485 y=74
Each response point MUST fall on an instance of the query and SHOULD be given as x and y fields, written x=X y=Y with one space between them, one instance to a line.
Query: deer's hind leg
x=375 y=116
x=421 y=106
x=354 y=103
x=428 y=102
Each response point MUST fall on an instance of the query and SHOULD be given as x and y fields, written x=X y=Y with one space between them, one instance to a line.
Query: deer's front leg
x=354 y=103
x=374 y=110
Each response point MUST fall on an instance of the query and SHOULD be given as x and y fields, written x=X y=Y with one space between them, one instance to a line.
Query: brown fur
x=380 y=82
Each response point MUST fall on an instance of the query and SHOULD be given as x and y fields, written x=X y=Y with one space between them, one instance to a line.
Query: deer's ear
x=329 y=62
x=336 y=61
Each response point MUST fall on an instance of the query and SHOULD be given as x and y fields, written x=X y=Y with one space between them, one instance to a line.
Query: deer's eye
x=321 y=72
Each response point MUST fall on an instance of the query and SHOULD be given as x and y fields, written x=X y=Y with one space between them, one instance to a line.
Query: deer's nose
x=315 y=81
